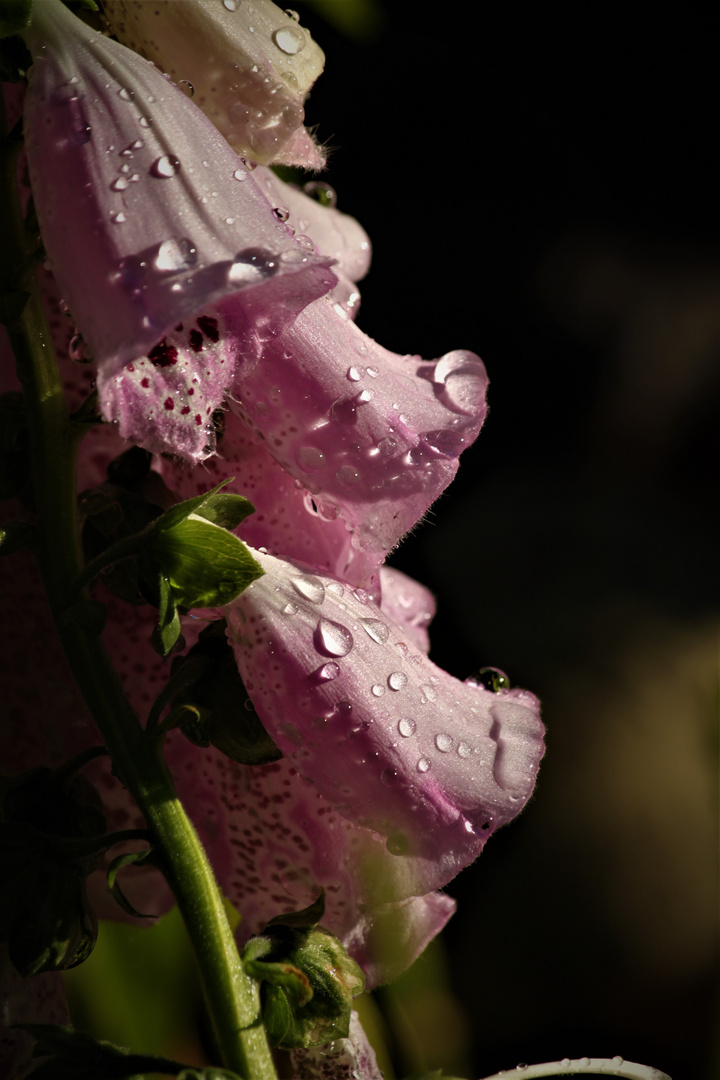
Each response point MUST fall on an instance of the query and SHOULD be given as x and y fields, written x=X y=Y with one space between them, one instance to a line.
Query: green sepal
x=73 y=1055
x=129 y=858
x=294 y=944
x=307 y=919
x=14 y=16
x=15 y=535
x=167 y=633
x=211 y=705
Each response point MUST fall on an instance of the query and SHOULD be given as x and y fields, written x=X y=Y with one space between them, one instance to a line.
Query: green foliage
x=211 y=705
x=129 y=858
x=309 y=980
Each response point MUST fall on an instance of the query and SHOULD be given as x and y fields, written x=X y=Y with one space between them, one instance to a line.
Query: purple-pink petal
x=344 y=1059
x=396 y=744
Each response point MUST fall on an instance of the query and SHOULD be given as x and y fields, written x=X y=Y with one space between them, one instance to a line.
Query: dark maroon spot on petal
x=198 y=419
x=196 y=340
x=185 y=410
x=169 y=403
x=163 y=355
x=191 y=390
x=209 y=327
x=145 y=382
x=131 y=367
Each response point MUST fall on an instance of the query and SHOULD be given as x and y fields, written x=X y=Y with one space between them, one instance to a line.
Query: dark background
x=542 y=187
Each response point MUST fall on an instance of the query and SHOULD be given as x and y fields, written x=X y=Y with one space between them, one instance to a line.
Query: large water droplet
x=378 y=690
x=310 y=587
x=310 y=458
x=344 y=411
x=355 y=374
x=332 y=639
x=463 y=377
x=407 y=727
x=377 y=630
x=251 y=265
x=166 y=166
x=444 y=742
x=289 y=39
x=321 y=192
x=281 y=213
x=423 y=764
x=328 y=672
x=348 y=476
x=187 y=87
x=491 y=678
x=230 y=5
x=397 y=680
x=174 y=255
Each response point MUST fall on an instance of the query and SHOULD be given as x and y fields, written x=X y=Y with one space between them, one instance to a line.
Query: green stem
x=232 y=997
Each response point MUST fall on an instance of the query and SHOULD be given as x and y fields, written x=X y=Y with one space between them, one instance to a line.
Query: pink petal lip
x=393 y=742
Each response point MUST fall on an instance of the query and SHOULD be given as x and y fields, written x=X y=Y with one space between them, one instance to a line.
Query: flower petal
x=250 y=69
x=409 y=604
x=374 y=434
x=147 y=214
x=393 y=742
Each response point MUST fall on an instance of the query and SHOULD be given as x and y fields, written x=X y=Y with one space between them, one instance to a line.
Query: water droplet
x=348 y=476
x=397 y=844
x=377 y=630
x=230 y=5
x=251 y=265
x=617 y=1060
x=389 y=776
x=240 y=174
x=365 y=396
x=423 y=764
x=281 y=213
x=361 y=596
x=249 y=707
x=120 y=184
x=378 y=690
x=336 y=588
x=328 y=671
x=407 y=727
x=187 y=87
x=310 y=587
x=125 y=94
x=354 y=374
x=292 y=14
x=464 y=750
x=174 y=255
x=321 y=192
x=166 y=166
x=118 y=217
x=521 y=1067
x=290 y=609
x=397 y=680
x=344 y=411
x=372 y=372
x=444 y=742
x=332 y=639
x=463 y=377
x=584 y=1062
x=565 y=1062
x=310 y=458
x=491 y=678
x=289 y=39
x=428 y=693
x=145 y=122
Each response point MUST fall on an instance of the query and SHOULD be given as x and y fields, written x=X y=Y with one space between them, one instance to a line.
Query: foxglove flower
x=396 y=744
x=344 y=1058
x=151 y=222
x=249 y=73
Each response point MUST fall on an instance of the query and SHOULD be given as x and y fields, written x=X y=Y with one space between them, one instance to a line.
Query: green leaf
x=225 y=509
x=130 y=858
x=14 y=16
x=206 y=565
x=72 y=1055
x=166 y=634
x=180 y=511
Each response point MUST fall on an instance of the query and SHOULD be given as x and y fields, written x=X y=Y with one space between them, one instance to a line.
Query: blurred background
x=541 y=187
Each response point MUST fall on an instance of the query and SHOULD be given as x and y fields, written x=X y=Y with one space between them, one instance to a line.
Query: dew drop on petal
x=428 y=692
x=187 y=87
x=423 y=764
x=348 y=476
x=407 y=727
x=617 y=1060
x=120 y=184
x=321 y=192
x=310 y=587
x=310 y=458
x=125 y=94
x=240 y=174
x=354 y=374
x=377 y=630
x=491 y=678
x=584 y=1062
x=290 y=609
x=378 y=690
x=328 y=672
x=464 y=750
x=292 y=14
x=397 y=680
x=174 y=255
x=397 y=844
x=289 y=39
x=230 y=5
x=332 y=639
x=444 y=742
x=372 y=372
x=336 y=588
x=166 y=166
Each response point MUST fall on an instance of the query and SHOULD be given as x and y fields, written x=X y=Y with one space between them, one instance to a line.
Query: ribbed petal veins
x=396 y=744
x=146 y=212
x=250 y=75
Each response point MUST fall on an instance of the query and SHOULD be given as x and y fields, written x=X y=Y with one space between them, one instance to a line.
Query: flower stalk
x=232 y=997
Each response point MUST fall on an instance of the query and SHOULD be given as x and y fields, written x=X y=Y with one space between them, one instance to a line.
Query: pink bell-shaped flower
x=394 y=743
